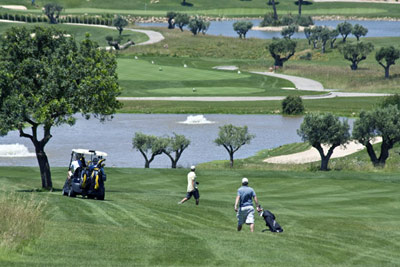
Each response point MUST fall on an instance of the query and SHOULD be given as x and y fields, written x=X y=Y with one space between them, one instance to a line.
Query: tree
x=272 y=2
x=282 y=50
x=315 y=35
x=182 y=19
x=359 y=31
x=171 y=15
x=391 y=100
x=355 y=53
x=46 y=78
x=120 y=23
x=300 y=3
x=232 y=138
x=197 y=25
x=382 y=122
x=292 y=105
x=390 y=55
x=344 y=29
x=52 y=11
x=149 y=146
x=307 y=33
x=325 y=36
x=333 y=35
x=325 y=129
x=288 y=31
x=176 y=144
x=242 y=27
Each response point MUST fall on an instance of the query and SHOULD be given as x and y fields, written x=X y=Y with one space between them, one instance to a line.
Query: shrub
x=292 y=105
x=306 y=56
x=269 y=20
x=391 y=100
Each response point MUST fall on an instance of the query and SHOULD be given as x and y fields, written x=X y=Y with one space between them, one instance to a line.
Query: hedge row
x=65 y=19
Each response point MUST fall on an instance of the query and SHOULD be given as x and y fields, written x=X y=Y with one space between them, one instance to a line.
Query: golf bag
x=269 y=218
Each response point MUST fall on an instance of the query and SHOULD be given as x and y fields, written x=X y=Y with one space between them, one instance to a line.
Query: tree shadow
x=304 y=3
x=270 y=3
x=186 y=4
x=38 y=190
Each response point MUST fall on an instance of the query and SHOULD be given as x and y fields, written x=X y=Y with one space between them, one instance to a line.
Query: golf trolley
x=86 y=175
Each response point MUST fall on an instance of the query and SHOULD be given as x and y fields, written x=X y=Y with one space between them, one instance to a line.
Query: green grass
x=329 y=218
x=215 y=8
x=79 y=32
x=349 y=107
x=142 y=78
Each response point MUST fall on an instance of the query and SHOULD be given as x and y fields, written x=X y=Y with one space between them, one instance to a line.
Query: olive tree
x=197 y=25
x=355 y=53
x=359 y=31
x=344 y=29
x=384 y=122
x=282 y=50
x=333 y=36
x=388 y=54
x=45 y=78
x=182 y=19
x=242 y=27
x=292 y=105
x=120 y=23
x=52 y=11
x=325 y=36
x=175 y=147
x=232 y=138
x=288 y=31
x=327 y=129
x=149 y=146
x=170 y=16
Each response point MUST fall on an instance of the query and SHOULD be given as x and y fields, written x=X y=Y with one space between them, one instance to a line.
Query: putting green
x=210 y=91
x=139 y=70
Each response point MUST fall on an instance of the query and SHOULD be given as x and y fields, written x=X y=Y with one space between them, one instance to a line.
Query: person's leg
x=239 y=227
x=252 y=227
x=188 y=196
x=183 y=200
x=196 y=196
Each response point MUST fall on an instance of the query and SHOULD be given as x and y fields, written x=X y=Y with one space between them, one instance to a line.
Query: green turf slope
x=329 y=218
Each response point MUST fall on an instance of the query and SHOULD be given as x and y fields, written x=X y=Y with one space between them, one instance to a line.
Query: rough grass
x=21 y=219
x=329 y=218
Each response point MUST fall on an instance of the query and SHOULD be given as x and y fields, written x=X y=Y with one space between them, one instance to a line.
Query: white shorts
x=245 y=215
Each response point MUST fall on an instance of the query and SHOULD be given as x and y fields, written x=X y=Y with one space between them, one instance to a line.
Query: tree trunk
x=323 y=48
x=278 y=62
x=384 y=153
x=371 y=154
x=387 y=72
x=300 y=2
x=44 y=168
x=170 y=24
x=274 y=8
x=231 y=159
x=147 y=164
x=354 y=65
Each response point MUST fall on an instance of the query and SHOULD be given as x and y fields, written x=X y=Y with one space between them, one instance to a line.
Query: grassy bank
x=349 y=107
x=97 y=34
x=329 y=218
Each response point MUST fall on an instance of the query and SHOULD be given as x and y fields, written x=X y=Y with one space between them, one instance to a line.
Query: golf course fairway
x=329 y=218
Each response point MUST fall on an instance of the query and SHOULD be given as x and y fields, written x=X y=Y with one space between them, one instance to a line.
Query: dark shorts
x=194 y=193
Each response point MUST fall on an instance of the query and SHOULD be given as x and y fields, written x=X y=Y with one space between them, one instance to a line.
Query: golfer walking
x=244 y=200
x=191 y=187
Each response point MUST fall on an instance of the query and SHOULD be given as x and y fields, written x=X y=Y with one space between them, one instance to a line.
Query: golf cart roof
x=89 y=152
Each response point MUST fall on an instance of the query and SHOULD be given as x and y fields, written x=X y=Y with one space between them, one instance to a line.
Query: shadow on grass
x=184 y=3
x=38 y=190
x=305 y=3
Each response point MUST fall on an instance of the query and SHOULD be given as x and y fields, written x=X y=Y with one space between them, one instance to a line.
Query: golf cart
x=86 y=175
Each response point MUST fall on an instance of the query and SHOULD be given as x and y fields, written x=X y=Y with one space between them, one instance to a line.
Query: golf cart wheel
x=101 y=197
x=71 y=193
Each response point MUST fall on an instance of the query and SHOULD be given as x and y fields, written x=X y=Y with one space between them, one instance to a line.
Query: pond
x=225 y=28
x=115 y=138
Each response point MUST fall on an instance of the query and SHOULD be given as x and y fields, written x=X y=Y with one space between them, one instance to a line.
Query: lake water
x=115 y=138
x=225 y=28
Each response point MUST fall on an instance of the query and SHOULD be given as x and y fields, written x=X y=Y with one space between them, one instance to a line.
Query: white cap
x=193 y=167
x=245 y=180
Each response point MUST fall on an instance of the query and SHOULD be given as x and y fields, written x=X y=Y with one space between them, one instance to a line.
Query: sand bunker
x=312 y=154
x=14 y=7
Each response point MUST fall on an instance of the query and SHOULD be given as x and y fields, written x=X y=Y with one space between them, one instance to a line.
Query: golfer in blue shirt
x=244 y=200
